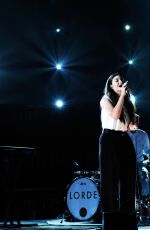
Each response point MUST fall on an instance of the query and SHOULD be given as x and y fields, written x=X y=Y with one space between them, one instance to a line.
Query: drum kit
x=143 y=187
x=83 y=195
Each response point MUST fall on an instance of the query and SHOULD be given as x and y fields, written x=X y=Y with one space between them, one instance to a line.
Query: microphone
x=125 y=85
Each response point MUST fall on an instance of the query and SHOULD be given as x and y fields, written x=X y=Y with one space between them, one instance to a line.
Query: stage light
x=58 y=66
x=58 y=30
x=127 y=27
x=130 y=62
x=59 y=103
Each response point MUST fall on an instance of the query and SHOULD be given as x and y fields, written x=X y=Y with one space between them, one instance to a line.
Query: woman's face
x=116 y=84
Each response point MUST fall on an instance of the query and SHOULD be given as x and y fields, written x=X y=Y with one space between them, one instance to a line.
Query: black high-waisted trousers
x=118 y=171
x=118 y=174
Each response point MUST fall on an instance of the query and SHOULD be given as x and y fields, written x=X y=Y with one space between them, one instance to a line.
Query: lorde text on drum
x=82 y=198
x=117 y=156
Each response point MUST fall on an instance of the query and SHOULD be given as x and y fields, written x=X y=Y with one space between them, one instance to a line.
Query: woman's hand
x=124 y=88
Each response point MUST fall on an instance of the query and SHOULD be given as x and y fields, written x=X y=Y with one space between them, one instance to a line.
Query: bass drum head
x=82 y=198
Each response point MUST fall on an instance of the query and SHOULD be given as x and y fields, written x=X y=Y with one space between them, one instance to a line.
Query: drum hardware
x=90 y=174
x=138 y=209
x=75 y=165
x=146 y=162
x=143 y=203
x=142 y=210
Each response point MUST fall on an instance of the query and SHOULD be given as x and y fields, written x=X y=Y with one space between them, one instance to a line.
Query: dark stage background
x=39 y=178
x=92 y=44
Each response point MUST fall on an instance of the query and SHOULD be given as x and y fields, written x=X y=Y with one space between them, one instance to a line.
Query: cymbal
x=146 y=161
x=145 y=156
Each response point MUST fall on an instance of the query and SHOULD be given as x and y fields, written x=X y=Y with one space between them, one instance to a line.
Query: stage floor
x=62 y=224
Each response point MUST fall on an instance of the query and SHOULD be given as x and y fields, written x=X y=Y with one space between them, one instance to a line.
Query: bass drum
x=83 y=198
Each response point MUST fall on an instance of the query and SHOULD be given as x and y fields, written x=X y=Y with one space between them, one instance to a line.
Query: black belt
x=122 y=133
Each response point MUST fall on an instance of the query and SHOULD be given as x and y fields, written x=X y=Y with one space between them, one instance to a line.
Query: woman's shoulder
x=104 y=98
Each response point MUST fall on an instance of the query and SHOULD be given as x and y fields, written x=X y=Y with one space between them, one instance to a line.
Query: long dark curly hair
x=128 y=105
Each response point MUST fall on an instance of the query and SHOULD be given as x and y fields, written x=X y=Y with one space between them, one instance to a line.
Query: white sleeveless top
x=109 y=122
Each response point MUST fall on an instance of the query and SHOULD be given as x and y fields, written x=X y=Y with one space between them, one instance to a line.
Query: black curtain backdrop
x=41 y=178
